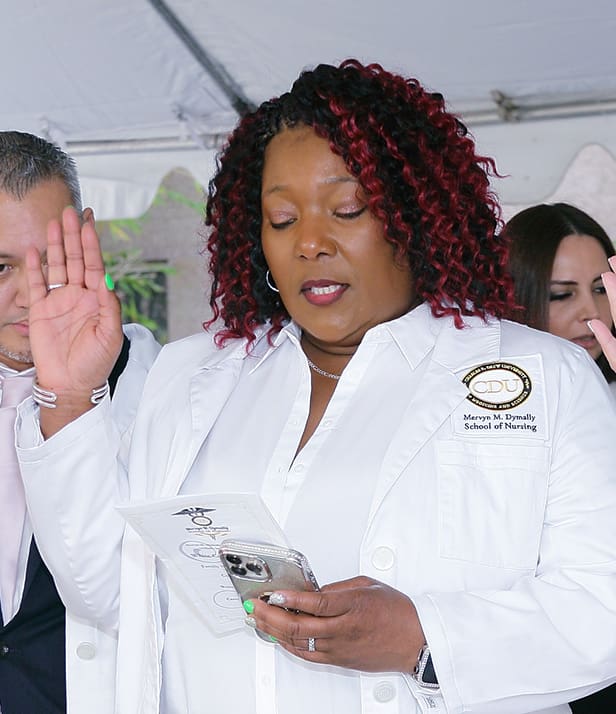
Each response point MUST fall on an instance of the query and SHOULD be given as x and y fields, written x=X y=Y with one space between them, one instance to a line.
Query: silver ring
x=53 y=286
x=312 y=646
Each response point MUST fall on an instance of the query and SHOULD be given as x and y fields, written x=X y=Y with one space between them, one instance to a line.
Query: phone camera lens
x=254 y=568
x=234 y=559
x=238 y=570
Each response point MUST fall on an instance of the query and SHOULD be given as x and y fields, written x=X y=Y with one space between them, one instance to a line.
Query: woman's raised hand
x=75 y=319
x=601 y=331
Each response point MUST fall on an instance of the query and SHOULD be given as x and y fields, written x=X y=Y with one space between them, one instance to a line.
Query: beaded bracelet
x=46 y=398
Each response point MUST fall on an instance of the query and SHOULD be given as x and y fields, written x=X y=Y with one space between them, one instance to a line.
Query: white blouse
x=321 y=499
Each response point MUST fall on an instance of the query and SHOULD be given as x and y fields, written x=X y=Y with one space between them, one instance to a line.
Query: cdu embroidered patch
x=505 y=398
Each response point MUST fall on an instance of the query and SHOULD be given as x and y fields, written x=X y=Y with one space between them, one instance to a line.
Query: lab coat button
x=86 y=650
x=384 y=692
x=383 y=558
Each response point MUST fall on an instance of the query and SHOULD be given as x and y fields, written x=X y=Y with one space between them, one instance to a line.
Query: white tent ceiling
x=134 y=88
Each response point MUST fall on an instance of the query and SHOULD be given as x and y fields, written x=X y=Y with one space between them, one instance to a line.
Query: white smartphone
x=259 y=569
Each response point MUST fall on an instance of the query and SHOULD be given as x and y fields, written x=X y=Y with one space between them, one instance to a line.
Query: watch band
x=424 y=673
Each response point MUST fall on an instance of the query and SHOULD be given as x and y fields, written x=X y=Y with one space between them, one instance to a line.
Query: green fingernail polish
x=272 y=638
x=249 y=606
x=109 y=282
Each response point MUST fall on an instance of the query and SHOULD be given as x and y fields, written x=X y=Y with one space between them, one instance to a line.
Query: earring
x=268 y=280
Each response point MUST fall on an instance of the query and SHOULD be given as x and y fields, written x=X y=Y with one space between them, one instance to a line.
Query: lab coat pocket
x=491 y=502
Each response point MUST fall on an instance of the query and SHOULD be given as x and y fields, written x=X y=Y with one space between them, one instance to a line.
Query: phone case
x=258 y=569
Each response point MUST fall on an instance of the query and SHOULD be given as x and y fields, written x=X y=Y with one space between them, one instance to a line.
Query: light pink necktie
x=12 y=501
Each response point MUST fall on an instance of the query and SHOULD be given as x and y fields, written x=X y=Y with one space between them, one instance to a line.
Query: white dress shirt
x=9 y=609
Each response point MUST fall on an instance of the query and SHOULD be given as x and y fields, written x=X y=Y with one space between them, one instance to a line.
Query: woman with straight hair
x=558 y=255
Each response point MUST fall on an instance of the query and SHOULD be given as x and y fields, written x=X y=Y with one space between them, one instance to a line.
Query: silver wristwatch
x=424 y=673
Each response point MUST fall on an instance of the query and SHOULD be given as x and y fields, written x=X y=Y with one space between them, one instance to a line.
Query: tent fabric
x=90 y=75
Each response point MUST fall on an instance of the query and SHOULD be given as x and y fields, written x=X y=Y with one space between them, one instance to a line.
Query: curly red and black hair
x=418 y=167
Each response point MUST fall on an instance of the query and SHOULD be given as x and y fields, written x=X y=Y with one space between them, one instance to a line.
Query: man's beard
x=21 y=357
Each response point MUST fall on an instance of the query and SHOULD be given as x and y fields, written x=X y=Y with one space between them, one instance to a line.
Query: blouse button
x=86 y=650
x=383 y=558
x=384 y=692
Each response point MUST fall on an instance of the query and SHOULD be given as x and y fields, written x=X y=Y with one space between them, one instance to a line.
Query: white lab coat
x=91 y=641
x=506 y=541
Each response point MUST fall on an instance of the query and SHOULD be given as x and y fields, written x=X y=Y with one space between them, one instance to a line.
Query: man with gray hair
x=52 y=659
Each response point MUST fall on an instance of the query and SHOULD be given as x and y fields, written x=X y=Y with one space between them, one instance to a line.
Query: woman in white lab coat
x=442 y=469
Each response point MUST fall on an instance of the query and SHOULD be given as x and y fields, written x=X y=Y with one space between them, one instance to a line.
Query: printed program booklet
x=184 y=532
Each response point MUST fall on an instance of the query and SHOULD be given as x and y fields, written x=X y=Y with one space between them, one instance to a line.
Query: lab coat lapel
x=209 y=388
x=439 y=393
